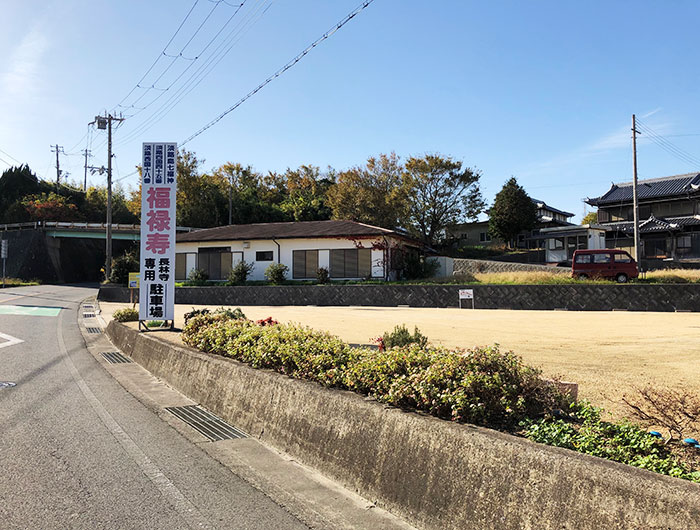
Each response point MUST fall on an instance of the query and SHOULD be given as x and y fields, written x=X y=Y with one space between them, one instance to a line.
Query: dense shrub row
x=483 y=386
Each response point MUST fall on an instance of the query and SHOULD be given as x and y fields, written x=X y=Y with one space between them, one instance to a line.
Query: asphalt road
x=78 y=451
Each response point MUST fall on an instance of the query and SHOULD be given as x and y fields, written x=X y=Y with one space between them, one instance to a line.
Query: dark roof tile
x=677 y=185
x=290 y=230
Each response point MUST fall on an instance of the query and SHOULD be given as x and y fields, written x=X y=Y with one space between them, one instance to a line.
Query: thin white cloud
x=618 y=139
x=22 y=76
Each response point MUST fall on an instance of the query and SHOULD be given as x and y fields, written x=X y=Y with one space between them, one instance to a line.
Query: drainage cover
x=88 y=315
x=6 y=384
x=90 y=307
x=93 y=330
x=206 y=423
x=115 y=357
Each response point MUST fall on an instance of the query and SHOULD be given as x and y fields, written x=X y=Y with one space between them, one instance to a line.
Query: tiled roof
x=677 y=185
x=654 y=224
x=545 y=206
x=291 y=230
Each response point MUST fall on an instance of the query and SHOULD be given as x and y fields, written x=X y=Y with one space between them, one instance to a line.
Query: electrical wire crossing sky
x=543 y=92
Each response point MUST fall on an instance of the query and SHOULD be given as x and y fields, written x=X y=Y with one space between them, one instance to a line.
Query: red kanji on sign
x=157 y=243
x=158 y=220
x=158 y=197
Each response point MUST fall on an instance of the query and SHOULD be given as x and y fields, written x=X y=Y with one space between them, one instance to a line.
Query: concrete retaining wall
x=592 y=297
x=481 y=265
x=433 y=473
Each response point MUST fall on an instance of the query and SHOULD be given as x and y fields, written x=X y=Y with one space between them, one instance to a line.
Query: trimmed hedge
x=483 y=386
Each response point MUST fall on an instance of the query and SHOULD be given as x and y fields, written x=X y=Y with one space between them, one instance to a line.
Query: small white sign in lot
x=466 y=294
x=8 y=340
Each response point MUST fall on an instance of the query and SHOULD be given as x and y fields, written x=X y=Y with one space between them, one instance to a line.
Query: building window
x=214 y=261
x=351 y=263
x=556 y=243
x=264 y=255
x=484 y=237
x=683 y=242
x=304 y=264
x=603 y=216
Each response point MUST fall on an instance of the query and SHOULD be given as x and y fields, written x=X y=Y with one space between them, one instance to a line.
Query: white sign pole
x=157 y=263
x=3 y=255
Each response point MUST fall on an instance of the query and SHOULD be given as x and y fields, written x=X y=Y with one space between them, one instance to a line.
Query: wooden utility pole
x=86 y=152
x=105 y=122
x=57 y=149
x=635 y=201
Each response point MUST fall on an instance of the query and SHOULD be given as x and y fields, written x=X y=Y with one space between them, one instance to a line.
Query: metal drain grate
x=88 y=307
x=93 y=330
x=206 y=423
x=7 y=384
x=88 y=315
x=115 y=357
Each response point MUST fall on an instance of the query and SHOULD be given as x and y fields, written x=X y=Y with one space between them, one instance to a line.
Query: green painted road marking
x=29 y=311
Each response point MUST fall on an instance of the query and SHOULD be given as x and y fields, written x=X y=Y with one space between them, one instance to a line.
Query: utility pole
x=87 y=153
x=57 y=149
x=105 y=122
x=635 y=201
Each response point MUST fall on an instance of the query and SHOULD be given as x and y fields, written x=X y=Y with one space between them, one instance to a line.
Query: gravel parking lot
x=607 y=353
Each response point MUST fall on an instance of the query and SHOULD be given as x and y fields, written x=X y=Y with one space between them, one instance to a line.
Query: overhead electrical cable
x=204 y=69
x=669 y=146
x=282 y=70
x=159 y=55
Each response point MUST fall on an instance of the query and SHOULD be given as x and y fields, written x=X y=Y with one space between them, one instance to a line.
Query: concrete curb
x=433 y=473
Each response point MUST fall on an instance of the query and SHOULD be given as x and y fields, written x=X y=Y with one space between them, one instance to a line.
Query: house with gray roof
x=347 y=249
x=669 y=217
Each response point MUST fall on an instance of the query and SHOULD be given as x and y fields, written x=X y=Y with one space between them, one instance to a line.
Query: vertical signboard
x=158 y=188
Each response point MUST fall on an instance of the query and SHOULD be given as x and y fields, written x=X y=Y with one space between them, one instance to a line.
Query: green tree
x=512 y=212
x=16 y=183
x=50 y=207
x=252 y=200
x=590 y=218
x=306 y=194
x=439 y=193
x=374 y=193
x=95 y=206
x=201 y=198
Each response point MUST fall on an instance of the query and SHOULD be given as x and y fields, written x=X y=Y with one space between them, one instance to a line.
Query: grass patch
x=16 y=282
x=673 y=276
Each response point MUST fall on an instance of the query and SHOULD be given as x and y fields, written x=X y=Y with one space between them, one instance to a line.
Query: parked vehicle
x=604 y=263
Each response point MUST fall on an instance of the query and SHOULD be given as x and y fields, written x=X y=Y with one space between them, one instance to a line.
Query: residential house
x=473 y=234
x=669 y=217
x=349 y=250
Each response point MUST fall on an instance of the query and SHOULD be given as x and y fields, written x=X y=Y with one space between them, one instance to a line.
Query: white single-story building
x=349 y=250
x=561 y=242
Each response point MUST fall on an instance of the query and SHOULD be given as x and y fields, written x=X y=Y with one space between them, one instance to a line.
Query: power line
x=8 y=155
x=279 y=72
x=668 y=146
x=160 y=54
x=198 y=76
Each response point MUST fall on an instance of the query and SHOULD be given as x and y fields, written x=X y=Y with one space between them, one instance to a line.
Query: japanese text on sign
x=158 y=196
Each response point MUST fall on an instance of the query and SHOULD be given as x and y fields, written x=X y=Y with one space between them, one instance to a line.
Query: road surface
x=77 y=450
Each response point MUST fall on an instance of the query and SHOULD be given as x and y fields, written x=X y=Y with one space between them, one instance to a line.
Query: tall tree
x=201 y=198
x=440 y=193
x=512 y=212
x=590 y=218
x=306 y=194
x=374 y=193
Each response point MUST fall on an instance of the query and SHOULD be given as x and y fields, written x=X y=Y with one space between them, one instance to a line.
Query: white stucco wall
x=286 y=248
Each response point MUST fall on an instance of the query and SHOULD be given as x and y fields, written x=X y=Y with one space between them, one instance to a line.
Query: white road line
x=11 y=341
x=172 y=494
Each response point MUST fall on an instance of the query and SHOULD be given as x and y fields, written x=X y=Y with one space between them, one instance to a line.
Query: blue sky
x=541 y=90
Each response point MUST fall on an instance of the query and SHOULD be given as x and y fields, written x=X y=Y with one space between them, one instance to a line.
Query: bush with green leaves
x=276 y=273
x=197 y=277
x=482 y=386
x=239 y=273
x=127 y=314
x=322 y=275
x=402 y=337
x=122 y=266
x=581 y=429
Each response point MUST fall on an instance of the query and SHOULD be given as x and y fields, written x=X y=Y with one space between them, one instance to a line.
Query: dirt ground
x=606 y=353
